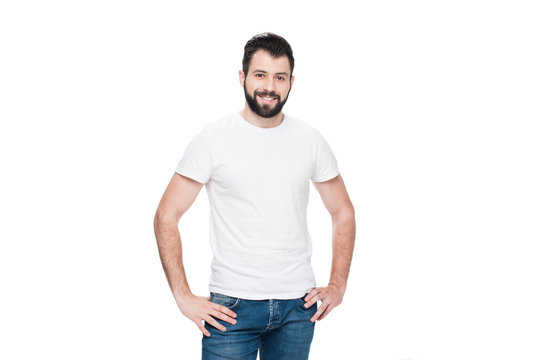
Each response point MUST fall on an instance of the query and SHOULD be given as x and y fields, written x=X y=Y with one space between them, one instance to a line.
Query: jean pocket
x=224 y=300
x=302 y=300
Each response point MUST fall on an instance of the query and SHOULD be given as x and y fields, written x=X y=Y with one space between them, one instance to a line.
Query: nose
x=269 y=84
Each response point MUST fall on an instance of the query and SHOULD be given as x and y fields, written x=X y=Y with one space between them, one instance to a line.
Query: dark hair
x=276 y=45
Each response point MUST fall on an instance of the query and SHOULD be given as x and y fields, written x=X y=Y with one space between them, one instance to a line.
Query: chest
x=270 y=166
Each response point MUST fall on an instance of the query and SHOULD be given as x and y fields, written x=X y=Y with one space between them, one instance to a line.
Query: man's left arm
x=337 y=202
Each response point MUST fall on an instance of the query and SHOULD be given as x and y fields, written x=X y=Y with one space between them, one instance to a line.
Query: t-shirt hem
x=326 y=177
x=191 y=175
x=245 y=296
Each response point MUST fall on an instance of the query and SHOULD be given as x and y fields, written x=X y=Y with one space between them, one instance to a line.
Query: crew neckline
x=261 y=129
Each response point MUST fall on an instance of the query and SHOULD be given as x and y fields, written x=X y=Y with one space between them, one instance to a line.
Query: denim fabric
x=281 y=329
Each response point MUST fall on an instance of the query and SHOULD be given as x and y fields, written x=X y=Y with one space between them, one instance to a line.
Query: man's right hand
x=198 y=308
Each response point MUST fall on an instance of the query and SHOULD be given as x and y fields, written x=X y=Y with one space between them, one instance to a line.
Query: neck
x=248 y=115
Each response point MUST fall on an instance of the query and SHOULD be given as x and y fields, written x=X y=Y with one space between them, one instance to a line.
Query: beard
x=264 y=110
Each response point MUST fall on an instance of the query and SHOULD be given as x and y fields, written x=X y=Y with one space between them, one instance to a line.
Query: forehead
x=262 y=60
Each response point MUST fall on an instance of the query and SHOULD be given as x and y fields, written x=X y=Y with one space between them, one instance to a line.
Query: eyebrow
x=265 y=72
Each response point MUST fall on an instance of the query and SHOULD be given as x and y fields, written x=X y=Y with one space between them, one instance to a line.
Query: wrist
x=182 y=296
x=340 y=287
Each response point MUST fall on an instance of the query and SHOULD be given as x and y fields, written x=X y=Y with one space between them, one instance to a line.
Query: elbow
x=344 y=218
x=156 y=220
x=344 y=225
x=345 y=213
x=163 y=218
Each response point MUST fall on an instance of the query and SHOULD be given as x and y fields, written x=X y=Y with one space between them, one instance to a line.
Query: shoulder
x=304 y=128
x=220 y=125
x=222 y=122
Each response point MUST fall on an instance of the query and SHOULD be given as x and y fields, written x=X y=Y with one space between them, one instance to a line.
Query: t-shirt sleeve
x=325 y=165
x=196 y=161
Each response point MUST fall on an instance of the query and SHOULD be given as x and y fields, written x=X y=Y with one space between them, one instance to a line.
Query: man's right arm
x=179 y=195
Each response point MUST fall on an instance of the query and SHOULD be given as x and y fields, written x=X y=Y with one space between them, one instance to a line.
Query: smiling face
x=267 y=84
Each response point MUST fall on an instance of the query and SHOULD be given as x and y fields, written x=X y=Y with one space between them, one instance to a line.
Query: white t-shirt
x=257 y=181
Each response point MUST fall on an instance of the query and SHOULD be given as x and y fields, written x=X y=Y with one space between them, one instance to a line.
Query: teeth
x=267 y=98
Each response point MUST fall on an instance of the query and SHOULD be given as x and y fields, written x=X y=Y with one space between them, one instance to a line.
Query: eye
x=259 y=75
x=281 y=78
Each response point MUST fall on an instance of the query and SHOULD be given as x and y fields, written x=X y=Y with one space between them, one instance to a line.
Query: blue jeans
x=281 y=329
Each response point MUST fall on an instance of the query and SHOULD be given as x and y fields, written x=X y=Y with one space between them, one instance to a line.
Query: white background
x=431 y=108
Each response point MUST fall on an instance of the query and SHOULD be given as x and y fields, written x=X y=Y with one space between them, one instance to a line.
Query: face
x=267 y=84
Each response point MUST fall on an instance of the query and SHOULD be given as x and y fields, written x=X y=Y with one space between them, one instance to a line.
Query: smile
x=267 y=100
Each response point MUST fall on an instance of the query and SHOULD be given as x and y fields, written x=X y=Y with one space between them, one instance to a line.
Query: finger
x=321 y=309
x=203 y=328
x=325 y=313
x=312 y=293
x=223 y=317
x=214 y=323
x=224 y=310
x=313 y=300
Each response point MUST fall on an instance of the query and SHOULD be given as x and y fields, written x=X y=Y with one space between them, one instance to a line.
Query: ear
x=241 y=77
x=291 y=81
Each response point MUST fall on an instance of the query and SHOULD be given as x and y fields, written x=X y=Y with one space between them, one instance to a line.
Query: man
x=256 y=165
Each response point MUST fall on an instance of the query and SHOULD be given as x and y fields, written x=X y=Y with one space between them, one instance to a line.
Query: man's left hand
x=331 y=296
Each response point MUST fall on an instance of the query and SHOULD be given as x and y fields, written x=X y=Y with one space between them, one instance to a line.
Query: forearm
x=344 y=234
x=170 y=251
